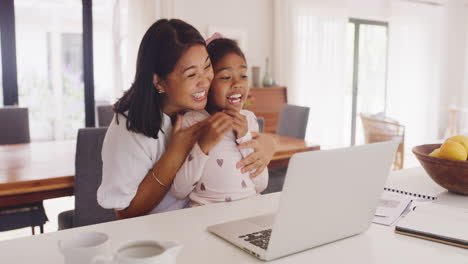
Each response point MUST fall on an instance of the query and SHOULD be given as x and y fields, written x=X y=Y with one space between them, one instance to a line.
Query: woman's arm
x=264 y=148
x=150 y=192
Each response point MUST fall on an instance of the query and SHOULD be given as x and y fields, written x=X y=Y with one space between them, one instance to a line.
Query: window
x=50 y=66
x=367 y=70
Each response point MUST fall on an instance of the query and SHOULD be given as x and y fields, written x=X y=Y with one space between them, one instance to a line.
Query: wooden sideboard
x=267 y=103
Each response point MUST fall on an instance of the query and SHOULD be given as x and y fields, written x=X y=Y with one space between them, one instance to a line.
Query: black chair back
x=293 y=121
x=105 y=115
x=88 y=177
x=14 y=125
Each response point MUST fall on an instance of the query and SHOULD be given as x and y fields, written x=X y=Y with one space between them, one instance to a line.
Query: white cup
x=82 y=248
x=143 y=252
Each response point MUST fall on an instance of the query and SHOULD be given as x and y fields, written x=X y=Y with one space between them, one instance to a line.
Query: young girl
x=211 y=175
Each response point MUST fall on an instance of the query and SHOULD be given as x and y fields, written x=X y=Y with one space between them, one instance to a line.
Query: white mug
x=143 y=252
x=83 y=247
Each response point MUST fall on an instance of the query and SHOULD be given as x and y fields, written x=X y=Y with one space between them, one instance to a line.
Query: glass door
x=367 y=71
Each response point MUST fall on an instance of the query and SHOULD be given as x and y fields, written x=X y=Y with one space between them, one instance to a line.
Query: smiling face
x=229 y=88
x=186 y=87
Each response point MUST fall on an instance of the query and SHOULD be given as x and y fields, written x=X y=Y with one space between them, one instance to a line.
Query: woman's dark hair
x=162 y=46
x=218 y=48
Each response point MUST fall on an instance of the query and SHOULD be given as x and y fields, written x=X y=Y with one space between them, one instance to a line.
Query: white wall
x=465 y=90
x=253 y=17
x=368 y=9
x=454 y=69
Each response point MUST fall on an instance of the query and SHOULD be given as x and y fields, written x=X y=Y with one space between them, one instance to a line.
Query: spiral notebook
x=415 y=183
x=436 y=223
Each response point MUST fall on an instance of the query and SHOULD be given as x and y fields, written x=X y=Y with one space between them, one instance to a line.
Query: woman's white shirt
x=126 y=159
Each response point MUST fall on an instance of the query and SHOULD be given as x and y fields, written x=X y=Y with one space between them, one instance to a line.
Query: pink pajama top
x=214 y=177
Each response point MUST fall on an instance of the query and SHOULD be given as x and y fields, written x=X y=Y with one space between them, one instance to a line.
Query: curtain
x=416 y=42
x=142 y=14
x=463 y=121
x=311 y=60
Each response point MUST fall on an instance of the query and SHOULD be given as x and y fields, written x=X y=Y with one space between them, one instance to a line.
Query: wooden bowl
x=450 y=174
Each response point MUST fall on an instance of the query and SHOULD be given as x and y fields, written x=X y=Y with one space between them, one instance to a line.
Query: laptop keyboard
x=259 y=239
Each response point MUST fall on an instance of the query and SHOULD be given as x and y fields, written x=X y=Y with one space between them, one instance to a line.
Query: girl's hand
x=264 y=148
x=239 y=124
x=182 y=140
x=214 y=130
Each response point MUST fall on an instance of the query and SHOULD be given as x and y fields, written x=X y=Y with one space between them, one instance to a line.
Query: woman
x=144 y=146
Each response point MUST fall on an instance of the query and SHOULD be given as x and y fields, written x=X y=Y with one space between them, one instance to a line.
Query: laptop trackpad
x=263 y=221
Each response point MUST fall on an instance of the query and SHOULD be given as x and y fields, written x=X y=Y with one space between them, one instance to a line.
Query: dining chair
x=88 y=176
x=276 y=178
x=293 y=121
x=14 y=127
x=456 y=114
x=381 y=128
x=105 y=115
x=15 y=130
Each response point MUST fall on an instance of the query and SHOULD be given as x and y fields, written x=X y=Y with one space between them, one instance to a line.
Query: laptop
x=327 y=195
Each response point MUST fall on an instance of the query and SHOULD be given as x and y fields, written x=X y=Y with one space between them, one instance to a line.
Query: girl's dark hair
x=161 y=47
x=219 y=48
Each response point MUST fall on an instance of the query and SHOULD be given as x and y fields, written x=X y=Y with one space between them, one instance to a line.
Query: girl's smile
x=229 y=87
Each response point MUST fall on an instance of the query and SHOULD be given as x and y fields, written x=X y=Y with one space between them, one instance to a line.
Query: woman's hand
x=214 y=130
x=239 y=124
x=264 y=148
x=183 y=139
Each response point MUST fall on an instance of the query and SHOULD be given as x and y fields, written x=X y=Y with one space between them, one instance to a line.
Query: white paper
x=391 y=206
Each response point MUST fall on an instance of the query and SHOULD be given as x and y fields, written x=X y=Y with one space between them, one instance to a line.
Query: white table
x=377 y=245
